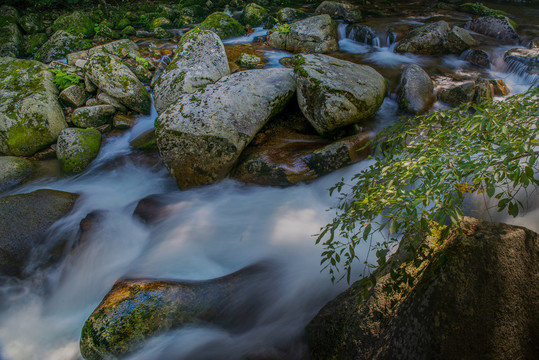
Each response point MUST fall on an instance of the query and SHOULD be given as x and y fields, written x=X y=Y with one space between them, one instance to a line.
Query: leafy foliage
x=64 y=80
x=424 y=168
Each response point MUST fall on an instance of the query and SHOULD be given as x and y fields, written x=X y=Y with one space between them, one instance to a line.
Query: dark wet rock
x=30 y=116
x=497 y=26
x=435 y=39
x=24 y=221
x=476 y=92
x=162 y=34
x=223 y=25
x=477 y=57
x=14 y=171
x=76 y=23
x=73 y=96
x=76 y=148
x=201 y=136
x=145 y=141
x=528 y=59
x=59 y=45
x=333 y=93
x=288 y=15
x=361 y=33
x=416 y=90
x=11 y=40
x=136 y=309
x=153 y=208
x=200 y=60
x=114 y=78
x=317 y=34
x=34 y=42
x=32 y=23
x=93 y=116
x=478 y=299
x=340 y=11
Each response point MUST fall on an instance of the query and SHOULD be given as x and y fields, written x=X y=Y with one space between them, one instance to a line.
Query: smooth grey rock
x=30 y=116
x=340 y=11
x=201 y=136
x=435 y=39
x=317 y=34
x=106 y=99
x=459 y=40
x=14 y=170
x=416 y=90
x=200 y=60
x=477 y=57
x=114 y=78
x=93 y=116
x=76 y=148
x=333 y=93
x=73 y=96
x=497 y=26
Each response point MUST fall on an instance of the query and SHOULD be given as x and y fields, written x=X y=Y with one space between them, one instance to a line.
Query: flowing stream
x=207 y=232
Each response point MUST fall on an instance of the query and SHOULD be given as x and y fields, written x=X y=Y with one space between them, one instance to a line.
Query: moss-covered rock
x=160 y=22
x=416 y=90
x=76 y=148
x=30 y=116
x=333 y=93
x=59 y=45
x=114 y=78
x=93 y=116
x=124 y=47
x=134 y=310
x=145 y=141
x=24 y=223
x=200 y=60
x=254 y=15
x=14 y=170
x=122 y=24
x=76 y=23
x=249 y=61
x=223 y=25
x=497 y=26
x=340 y=11
x=32 y=43
x=201 y=136
x=8 y=15
x=288 y=15
x=128 y=31
x=32 y=23
x=11 y=40
x=476 y=299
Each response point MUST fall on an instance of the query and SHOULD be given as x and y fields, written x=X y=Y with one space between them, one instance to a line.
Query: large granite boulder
x=223 y=25
x=317 y=34
x=14 y=170
x=340 y=11
x=108 y=73
x=200 y=60
x=76 y=148
x=76 y=23
x=416 y=90
x=30 y=116
x=134 y=310
x=477 y=299
x=201 y=136
x=24 y=221
x=11 y=40
x=435 y=39
x=333 y=93
x=59 y=45
x=496 y=26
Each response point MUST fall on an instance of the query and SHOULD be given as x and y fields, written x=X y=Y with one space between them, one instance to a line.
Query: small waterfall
x=341 y=30
x=523 y=70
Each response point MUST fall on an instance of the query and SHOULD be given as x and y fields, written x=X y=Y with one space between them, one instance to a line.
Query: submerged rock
x=114 y=78
x=30 y=116
x=134 y=310
x=340 y=11
x=223 y=25
x=200 y=60
x=333 y=93
x=478 y=299
x=24 y=223
x=14 y=170
x=317 y=34
x=201 y=136
x=76 y=148
x=416 y=90
x=496 y=26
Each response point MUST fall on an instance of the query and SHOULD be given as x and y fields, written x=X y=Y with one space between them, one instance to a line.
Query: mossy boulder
x=34 y=42
x=145 y=141
x=254 y=15
x=76 y=148
x=123 y=47
x=8 y=15
x=340 y=11
x=76 y=23
x=160 y=22
x=128 y=31
x=288 y=15
x=498 y=26
x=59 y=45
x=11 y=40
x=122 y=24
x=223 y=25
x=14 y=170
x=476 y=299
x=201 y=136
x=134 y=310
x=416 y=90
x=200 y=60
x=24 y=223
x=317 y=34
x=333 y=93
x=30 y=116
x=93 y=116
x=108 y=73
x=32 y=23
x=249 y=61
